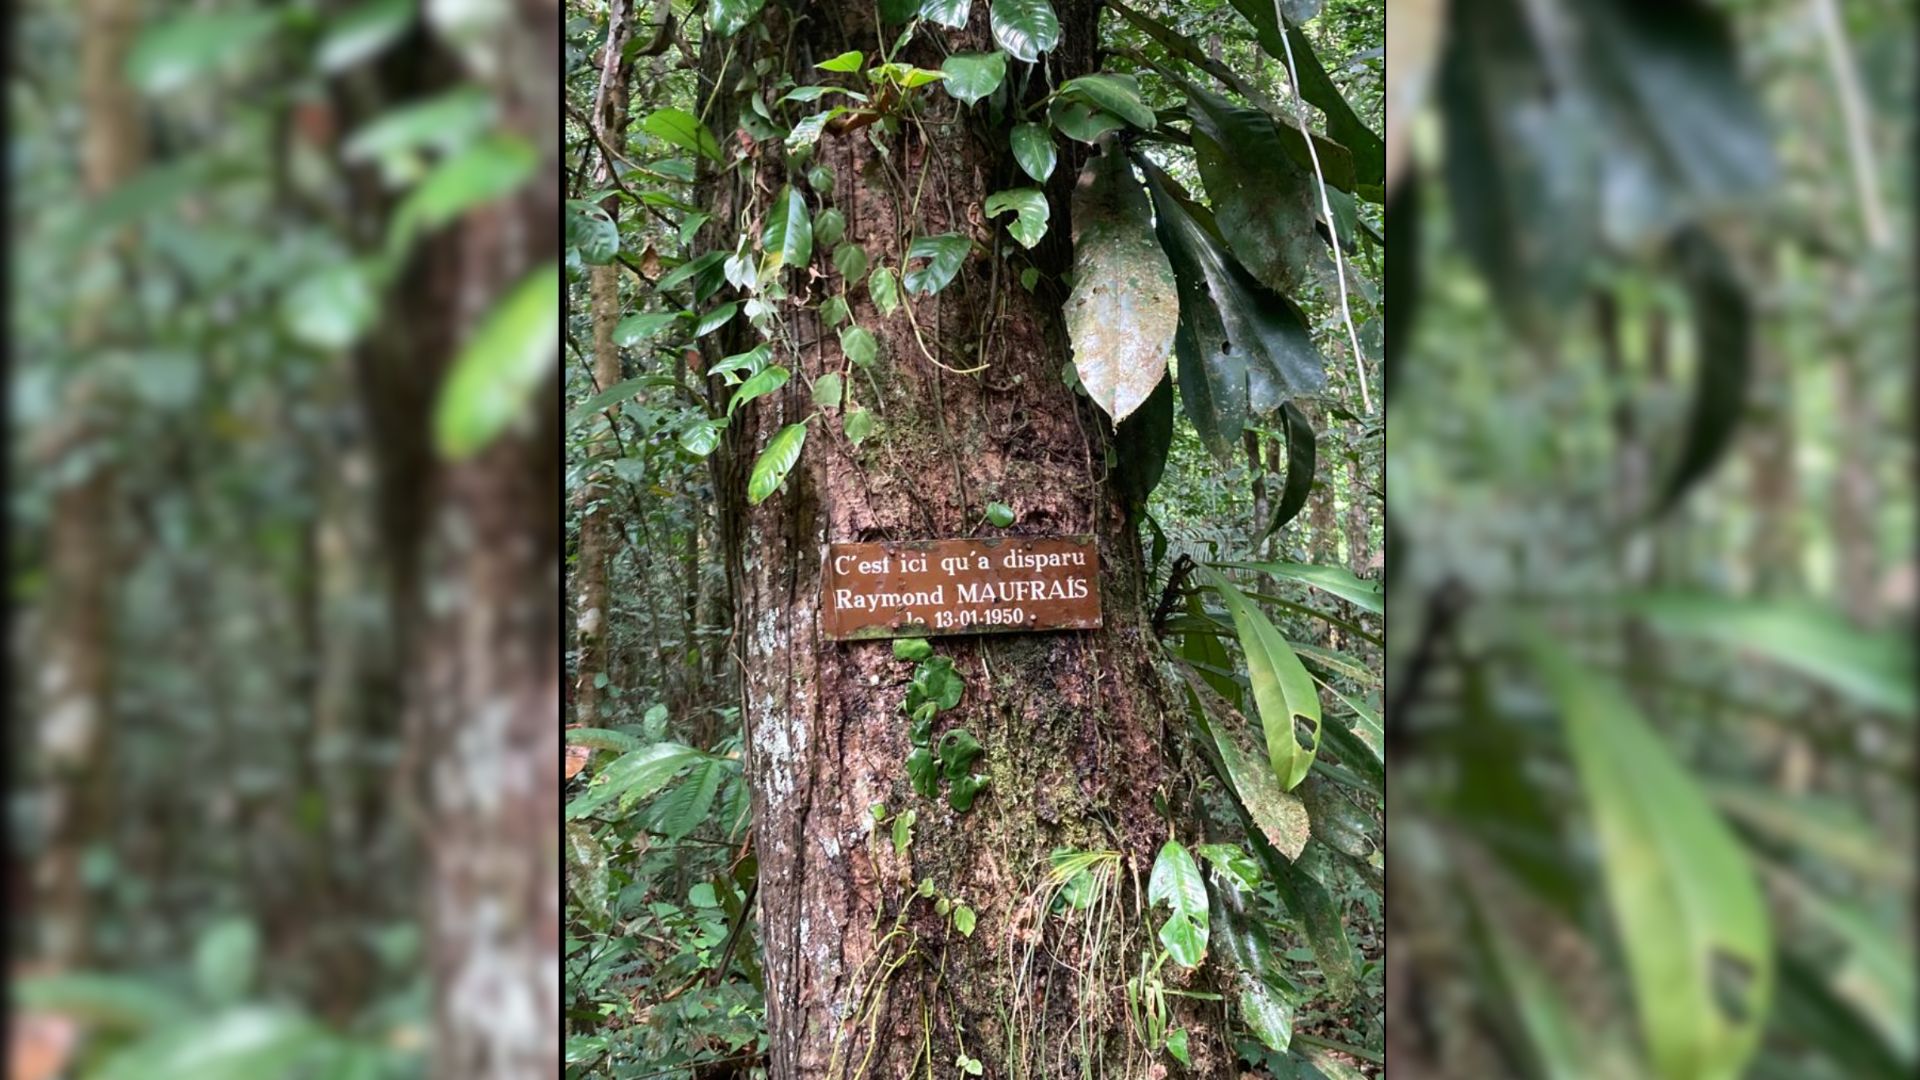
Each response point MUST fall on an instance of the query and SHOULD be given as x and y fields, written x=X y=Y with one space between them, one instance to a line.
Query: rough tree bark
x=77 y=676
x=1079 y=743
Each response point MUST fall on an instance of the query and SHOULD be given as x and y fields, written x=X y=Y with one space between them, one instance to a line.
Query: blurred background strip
x=1651 y=697
x=285 y=564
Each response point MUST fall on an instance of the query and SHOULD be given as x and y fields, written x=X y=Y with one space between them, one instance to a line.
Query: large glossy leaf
x=972 y=76
x=789 y=232
x=493 y=379
x=1117 y=94
x=1123 y=310
x=1282 y=689
x=770 y=469
x=1246 y=949
x=1025 y=28
x=1176 y=881
x=944 y=254
x=949 y=13
x=1875 y=669
x=1081 y=122
x=1687 y=909
x=1279 y=813
x=1346 y=127
x=1264 y=203
x=1029 y=205
x=1333 y=580
x=1722 y=360
x=1254 y=343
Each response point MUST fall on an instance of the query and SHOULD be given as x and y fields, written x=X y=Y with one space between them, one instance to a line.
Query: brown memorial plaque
x=919 y=588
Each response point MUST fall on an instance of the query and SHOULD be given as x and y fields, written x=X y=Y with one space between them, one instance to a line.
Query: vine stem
x=1326 y=207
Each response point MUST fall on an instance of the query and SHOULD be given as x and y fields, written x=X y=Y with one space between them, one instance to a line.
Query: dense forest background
x=1651 y=673
x=283 y=540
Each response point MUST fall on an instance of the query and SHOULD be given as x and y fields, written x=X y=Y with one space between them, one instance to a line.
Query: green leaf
x=363 y=33
x=951 y=14
x=1265 y=204
x=761 y=383
x=592 y=232
x=715 y=319
x=972 y=76
x=1233 y=865
x=1334 y=580
x=331 y=308
x=1722 y=359
x=848 y=61
x=445 y=122
x=1123 y=311
x=603 y=739
x=625 y=390
x=1267 y=1015
x=226 y=959
x=487 y=169
x=858 y=424
x=1082 y=122
x=770 y=469
x=913 y=649
x=1033 y=150
x=923 y=772
x=1025 y=28
x=963 y=920
x=851 y=261
x=678 y=127
x=1177 y=1046
x=1142 y=442
x=903 y=831
x=633 y=776
x=885 y=290
x=807 y=131
x=640 y=326
x=1279 y=814
x=729 y=17
x=1250 y=347
x=905 y=76
x=944 y=254
x=239 y=1043
x=1117 y=94
x=999 y=515
x=1346 y=128
x=1689 y=914
x=827 y=390
x=174 y=53
x=829 y=225
x=493 y=379
x=1282 y=689
x=1176 y=880
x=1030 y=213
x=681 y=810
x=1300 y=468
x=860 y=346
x=1875 y=669
x=788 y=235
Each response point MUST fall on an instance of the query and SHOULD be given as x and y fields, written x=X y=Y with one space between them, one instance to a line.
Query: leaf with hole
x=943 y=253
x=1030 y=213
x=1688 y=910
x=1282 y=689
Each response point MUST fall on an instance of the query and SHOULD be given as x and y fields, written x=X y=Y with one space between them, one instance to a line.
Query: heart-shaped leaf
x=972 y=76
x=1025 y=28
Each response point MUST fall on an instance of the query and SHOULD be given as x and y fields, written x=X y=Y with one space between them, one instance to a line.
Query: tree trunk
x=864 y=976
x=77 y=679
x=598 y=537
